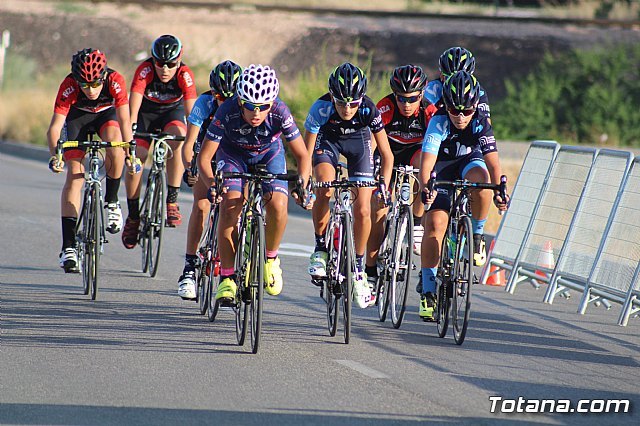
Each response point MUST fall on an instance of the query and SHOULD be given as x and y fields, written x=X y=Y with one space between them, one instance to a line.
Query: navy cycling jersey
x=447 y=142
x=323 y=116
x=202 y=113
x=433 y=93
x=236 y=135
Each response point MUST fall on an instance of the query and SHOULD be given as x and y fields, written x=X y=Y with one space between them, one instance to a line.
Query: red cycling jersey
x=401 y=129
x=113 y=93
x=147 y=83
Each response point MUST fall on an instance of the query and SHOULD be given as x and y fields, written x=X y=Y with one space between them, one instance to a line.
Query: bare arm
x=187 y=148
x=124 y=120
x=382 y=142
x=135 y=100
x=188 y=106
x=53 y=133
x=310 y=141
x=207 y=152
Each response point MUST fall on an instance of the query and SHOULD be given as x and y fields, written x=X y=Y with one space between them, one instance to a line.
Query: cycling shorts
x=78 y=125
x=452 y=170
x=152 y=118
x=239 y=162
x=356 y=149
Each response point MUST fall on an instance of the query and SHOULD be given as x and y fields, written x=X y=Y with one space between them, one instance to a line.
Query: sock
x=226 y=273
x=478 y=225
x=429 y=280
x=360 y=262
x=69 y=232
x=417 y=220
x=320 y=243
x=172 y=193
x=111 y=194
x=272 y=254
x=190 y=262
x=371 y=271
x=134 y=208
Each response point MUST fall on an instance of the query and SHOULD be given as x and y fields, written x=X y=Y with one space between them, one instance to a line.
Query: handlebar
x=464 y=184
x=160 y=136
x=345 y=184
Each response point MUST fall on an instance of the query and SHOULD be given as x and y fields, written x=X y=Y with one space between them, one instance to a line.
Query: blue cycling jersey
x=448 y=142
x=202 y=113
x=323 y=115
x=433 y=93
x=236 y=135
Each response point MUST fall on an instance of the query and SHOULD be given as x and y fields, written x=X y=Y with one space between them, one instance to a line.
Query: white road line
x=363 y=369
x=296 y=250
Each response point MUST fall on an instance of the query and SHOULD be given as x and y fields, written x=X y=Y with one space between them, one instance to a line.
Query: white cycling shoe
x=114 y=218
x=361 y=290
x=187 y=285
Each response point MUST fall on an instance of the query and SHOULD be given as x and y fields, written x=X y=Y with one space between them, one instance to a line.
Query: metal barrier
x=590 y=224
x=554 y=216
x=524 y=202
x=614 y=276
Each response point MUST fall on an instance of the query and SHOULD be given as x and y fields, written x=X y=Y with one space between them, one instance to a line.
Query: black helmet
x=88 y=65
x=461 y=91
x=407 y=79
x=457 y=59
x=166 y=48
x=223 y=78
x=347 y=83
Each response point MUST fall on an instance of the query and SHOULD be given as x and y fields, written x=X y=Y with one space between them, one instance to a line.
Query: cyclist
x=341 y=122
x=458 y=144
x=455 y=59
x=405 y=114
x=222 y=84
x=246 y=131
x=160 y=87
x=93 y=97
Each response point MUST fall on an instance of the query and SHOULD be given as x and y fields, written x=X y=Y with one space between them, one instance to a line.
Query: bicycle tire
x=331 y=284
x=81 y=237
x=95 y=239
x=241 y=308
x=402 y=250
x=382 y=290
x=257 y=282
x=348 y=264
x=158 y=221
x=463 y=280
x=145 y=222
x=443 y=303
x=205 y=253
x=214 y=271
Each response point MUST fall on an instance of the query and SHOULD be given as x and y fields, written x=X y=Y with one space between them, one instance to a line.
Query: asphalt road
x=140 y=355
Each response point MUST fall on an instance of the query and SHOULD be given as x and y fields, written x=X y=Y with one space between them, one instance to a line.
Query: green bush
x=577 y=97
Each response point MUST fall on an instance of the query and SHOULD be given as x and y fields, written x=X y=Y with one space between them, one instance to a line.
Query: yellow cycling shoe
x=227 y=289
x=273 y=276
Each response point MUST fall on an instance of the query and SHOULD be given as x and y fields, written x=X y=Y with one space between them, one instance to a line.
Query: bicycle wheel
x=382 y=290
x=462 y=280
x=348 y=264
x=401 y=266
x=333 y=303
x=94 y=239
x=81 y=238
x=242 y=270
x=145 y=222
x=214 y=271
x=257 y=281
x=158 y=218
x=205 y=252
x=443 y=284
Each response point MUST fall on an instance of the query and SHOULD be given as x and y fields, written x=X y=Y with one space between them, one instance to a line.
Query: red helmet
x=88 y=65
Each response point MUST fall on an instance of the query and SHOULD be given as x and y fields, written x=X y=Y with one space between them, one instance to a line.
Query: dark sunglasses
x=465 y=112
x=249 y=106
x=407 y=99
x=93 y=84
x=343 y=104
x=169 y=65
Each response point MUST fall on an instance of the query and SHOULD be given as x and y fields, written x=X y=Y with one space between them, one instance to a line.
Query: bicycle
x=455 y=275
x=394 y=259
x=337 y=287
x=90 y=232
x=250 y=254
x=153 y=210
x=209 y=264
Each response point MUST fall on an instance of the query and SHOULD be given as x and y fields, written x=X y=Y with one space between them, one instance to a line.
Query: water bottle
x=405 y=192
x=247 y=241
x=336 y=238
x=451 y=244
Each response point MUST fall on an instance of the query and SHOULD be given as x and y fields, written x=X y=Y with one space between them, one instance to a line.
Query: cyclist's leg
x=418 y=207
x=114 y=162
x=173 y=123
x=475 y=170
x=435 y=221
x=70 y=205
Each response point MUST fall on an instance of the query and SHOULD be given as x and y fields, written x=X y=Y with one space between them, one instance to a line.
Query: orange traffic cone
x=496 y=275
x=546 y=259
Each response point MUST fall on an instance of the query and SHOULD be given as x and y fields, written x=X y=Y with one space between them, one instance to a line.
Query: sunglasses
x=407 y=99
x=169 y=65
x=343 y=104
x=93 y=84
x=465 y=112
x=249 y=106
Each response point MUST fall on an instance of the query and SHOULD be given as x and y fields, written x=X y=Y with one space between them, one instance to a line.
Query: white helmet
x=258 y=84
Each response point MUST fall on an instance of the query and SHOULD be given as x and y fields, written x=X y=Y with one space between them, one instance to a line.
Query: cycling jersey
x=351 y=138
x=433 y=93
x=405 y=130
x=235 y=135
x=202 y=113
x=448 y=142
x=169 y=94
x=70 y=95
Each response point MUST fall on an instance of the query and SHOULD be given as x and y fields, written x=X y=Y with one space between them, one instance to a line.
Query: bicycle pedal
x=318 y=282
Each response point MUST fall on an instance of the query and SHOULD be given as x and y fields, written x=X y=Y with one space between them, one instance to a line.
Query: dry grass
x=25 y=115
